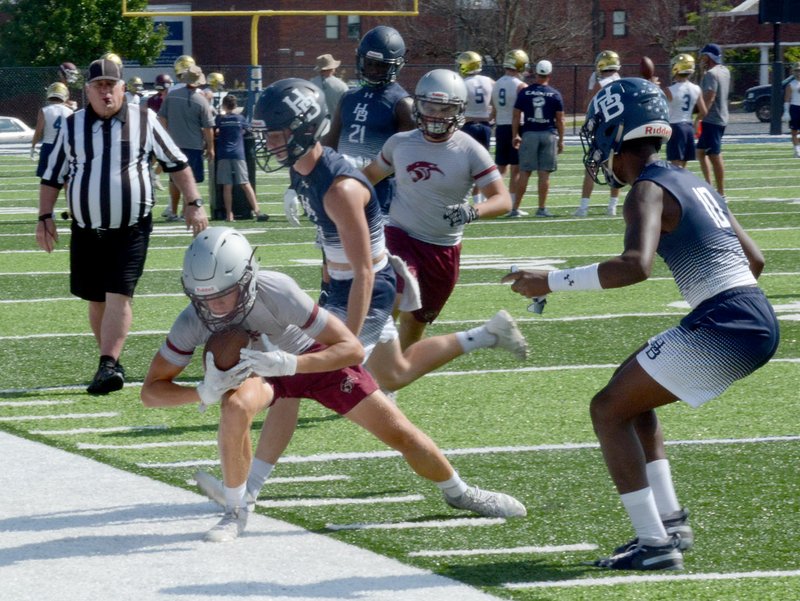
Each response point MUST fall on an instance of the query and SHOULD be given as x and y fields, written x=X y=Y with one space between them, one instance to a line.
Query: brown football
x=225 y=346
x=646 y=67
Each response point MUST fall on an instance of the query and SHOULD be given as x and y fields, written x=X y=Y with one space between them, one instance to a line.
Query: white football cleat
x=505 y=329
x=611 y=210
x=581 y=212
x=488 y=504
x=214 y=489
x=229 y=527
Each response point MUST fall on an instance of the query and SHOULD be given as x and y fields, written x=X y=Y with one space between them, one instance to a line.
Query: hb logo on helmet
x=302 y=104
x=609 y=103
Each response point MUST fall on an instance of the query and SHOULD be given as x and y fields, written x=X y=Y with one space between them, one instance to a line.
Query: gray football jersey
x=282 y=317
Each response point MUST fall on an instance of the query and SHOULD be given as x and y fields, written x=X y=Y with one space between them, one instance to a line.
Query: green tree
x=49 y=32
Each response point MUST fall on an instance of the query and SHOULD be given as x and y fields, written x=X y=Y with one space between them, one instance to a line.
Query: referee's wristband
x=577 y=278
x=45 y=216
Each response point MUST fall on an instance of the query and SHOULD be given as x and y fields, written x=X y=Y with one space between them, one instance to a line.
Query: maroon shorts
x=436 y=268
x=338 y=390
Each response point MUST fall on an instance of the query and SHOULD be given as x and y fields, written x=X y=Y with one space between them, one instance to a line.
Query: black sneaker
x=108 y=378
x=675 y=524
x=645 y=557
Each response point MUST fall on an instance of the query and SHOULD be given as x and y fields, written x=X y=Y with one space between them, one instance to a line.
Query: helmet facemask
x=376 y=70
x=438 y=119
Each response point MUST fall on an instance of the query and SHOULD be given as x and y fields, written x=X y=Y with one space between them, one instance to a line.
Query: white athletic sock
x=259 y=472
x=659 y=477
x=454 y=487
x=612 y=201
x=585 y=203
x=641 y=507
x=476 y=338
x=478 y=198
x=513 y=199
x=234 y=497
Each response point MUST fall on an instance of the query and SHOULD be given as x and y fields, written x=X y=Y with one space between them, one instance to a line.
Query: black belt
x=144 y=223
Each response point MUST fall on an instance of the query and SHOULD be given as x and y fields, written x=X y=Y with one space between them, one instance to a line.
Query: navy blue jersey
x=539 y=105
x=703 y=252
x=229 y=139
x=311 y=190
x=368 y=120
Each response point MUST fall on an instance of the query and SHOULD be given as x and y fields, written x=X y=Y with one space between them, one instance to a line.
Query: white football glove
x=217 y=382
x=460 y=214
x=33 y=153
x=269 y=364
x=291 y=207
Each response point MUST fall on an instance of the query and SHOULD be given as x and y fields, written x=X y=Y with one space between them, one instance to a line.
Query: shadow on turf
x=499 y=573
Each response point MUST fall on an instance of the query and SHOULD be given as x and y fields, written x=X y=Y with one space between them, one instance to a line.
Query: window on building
x=332 y=27
x=620 y=23
x=354 y=27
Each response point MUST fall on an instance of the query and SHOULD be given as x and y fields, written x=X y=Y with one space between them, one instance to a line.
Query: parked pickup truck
x=758 y=99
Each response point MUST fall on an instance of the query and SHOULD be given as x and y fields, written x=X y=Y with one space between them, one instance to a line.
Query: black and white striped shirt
x=106 y=165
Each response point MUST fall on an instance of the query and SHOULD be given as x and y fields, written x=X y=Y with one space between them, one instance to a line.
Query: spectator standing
x=230 y=158
x=162 y=85
x=504 y=95
x=715 y=85
x=187 y=116
x=683 y=96
x=110 y=201
x=478 y=114
x=540 y=138
x=49 y=121
x=791 y=108
x=607 y=66
x=333 y=87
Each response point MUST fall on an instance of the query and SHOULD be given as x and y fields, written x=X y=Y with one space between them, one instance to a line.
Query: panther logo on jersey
x=422 y=170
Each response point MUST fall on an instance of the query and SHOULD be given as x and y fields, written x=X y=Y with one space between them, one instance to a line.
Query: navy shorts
x=724 y=339
x=195 y=159
x=504 y=151
x=380 y=308
x=711 y=138
x=794 y=117
x=480 y=130
x=104 y=261
x=681 y=144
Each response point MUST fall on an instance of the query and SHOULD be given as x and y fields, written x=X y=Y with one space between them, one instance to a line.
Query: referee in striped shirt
x=102 y=154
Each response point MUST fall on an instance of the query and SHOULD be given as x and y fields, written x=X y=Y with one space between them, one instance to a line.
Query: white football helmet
x=440 y=100
x=218 y=261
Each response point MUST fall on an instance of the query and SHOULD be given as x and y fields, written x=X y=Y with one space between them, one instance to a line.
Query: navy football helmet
x=289 y=118
x=625 y=109
x=380 y=56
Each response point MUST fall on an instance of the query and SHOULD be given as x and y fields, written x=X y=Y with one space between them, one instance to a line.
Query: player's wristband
x=45 y=216
x=576 y=278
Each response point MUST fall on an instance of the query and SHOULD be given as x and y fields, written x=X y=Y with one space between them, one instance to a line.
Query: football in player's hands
x=647 y=68
x=225 y=346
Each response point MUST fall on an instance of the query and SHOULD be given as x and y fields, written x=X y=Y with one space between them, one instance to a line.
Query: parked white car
x=14 y=131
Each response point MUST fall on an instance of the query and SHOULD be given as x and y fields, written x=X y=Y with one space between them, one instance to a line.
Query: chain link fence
x=22 y=89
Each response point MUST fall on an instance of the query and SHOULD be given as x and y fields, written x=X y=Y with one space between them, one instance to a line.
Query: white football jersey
x=504 y=95
x=684 y=97
x=54 y=116
x=794 y=86
x=479 y=97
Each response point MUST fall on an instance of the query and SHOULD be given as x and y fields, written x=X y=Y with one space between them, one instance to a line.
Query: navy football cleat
x=646 y=557
x=675 y=524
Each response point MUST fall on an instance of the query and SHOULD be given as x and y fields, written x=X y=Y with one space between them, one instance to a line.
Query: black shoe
x=109 y=377
x=675 y=524
x=262 y=217
x=646 y=557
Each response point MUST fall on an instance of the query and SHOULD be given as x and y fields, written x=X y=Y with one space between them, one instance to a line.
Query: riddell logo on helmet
x=657 y=130
x=205 y=289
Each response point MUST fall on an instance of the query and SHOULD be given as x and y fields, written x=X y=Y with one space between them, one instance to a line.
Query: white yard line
x=617 y=580
x=454 y=523
x=508 y=551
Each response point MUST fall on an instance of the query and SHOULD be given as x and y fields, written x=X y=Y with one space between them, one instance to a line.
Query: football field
x=520 y=428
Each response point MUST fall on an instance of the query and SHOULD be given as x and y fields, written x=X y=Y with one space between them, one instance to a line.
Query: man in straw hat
x=333 y=87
